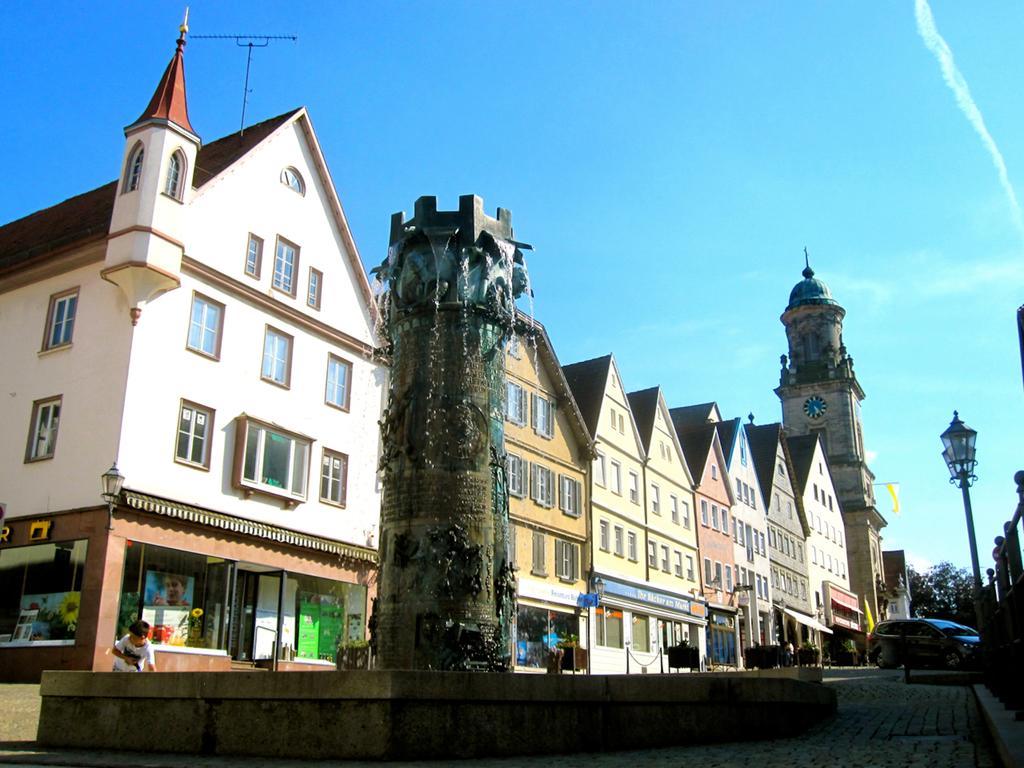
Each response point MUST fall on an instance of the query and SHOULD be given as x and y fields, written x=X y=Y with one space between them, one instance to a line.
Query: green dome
x=809 y=291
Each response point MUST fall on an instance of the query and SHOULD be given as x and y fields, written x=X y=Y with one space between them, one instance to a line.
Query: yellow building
x=670 y=530
x=549 y=452
x=626 y=633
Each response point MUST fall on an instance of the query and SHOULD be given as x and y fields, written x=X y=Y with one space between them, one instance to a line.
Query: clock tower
x=821 y=396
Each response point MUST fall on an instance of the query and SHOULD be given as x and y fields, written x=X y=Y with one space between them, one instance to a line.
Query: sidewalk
x=881 y=722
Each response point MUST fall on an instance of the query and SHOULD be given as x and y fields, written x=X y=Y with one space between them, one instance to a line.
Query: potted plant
x=847 y=655
x=684 y=656
x=573 y=656
x=808 y=655
x=354 y=654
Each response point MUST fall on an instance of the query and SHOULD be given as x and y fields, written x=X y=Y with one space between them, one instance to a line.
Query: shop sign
x=553 y=593
x=722 y=620
x=652 y=597
x=842 y=598
x=39 y=530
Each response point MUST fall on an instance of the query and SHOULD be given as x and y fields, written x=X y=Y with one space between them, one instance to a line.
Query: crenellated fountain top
x=470 y=220
x=462 y=258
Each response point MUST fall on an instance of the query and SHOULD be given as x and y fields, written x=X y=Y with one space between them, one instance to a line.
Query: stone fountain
x=446 y=593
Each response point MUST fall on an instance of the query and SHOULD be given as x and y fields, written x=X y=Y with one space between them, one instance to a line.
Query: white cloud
x=956 y=82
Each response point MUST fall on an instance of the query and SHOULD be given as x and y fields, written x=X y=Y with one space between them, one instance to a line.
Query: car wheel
x=952 y=660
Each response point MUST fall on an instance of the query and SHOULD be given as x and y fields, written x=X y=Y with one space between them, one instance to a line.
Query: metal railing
x=1002 y=629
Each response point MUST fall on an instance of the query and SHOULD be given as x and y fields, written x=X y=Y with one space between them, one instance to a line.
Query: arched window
x=293 y=179
x=175 y=175
x=133 y=171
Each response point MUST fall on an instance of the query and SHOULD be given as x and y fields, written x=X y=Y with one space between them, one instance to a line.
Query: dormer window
x=133 y=170
x=292 y=179
x=175 y=174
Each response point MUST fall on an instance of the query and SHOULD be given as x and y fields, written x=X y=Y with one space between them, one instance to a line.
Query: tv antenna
x=243 y=41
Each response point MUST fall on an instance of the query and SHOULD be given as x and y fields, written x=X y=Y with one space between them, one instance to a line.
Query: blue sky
x=668 y=160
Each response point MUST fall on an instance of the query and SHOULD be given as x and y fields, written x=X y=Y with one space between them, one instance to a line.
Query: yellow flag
x=868 y=618
x=894 y=491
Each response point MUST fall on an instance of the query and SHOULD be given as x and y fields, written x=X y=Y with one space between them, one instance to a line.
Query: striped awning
x=242 y=526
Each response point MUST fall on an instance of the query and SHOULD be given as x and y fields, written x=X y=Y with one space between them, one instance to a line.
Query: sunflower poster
x=54 y=616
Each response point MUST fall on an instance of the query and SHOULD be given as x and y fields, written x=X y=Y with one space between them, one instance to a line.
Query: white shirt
x=143 y=653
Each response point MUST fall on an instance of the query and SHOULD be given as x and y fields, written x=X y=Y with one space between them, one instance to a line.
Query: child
x=134 y=652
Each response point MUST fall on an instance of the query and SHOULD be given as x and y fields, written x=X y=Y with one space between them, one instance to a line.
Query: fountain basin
x=393 y=715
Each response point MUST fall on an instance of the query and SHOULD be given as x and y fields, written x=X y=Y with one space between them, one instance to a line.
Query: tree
x=943 y=592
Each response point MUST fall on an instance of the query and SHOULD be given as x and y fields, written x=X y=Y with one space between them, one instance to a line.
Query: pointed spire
x=808 y=272
x=169 y=102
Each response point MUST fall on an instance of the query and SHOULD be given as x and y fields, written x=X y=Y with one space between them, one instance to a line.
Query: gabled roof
x=169 y=102
x=587 y=380
x=801 y=451
x=87 y=216
x=693 y=415
x=697 y=443
x=546 y=352
x=728 y=431
x=644 y=405
x=764 y=443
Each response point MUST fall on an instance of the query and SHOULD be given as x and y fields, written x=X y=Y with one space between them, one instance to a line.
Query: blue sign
x=588 y=600
x=652 y=597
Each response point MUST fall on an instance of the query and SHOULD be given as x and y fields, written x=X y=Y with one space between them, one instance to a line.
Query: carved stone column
x=446 y=593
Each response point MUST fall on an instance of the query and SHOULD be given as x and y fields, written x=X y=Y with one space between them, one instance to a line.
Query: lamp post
x=958 y=452
x=111 y=482
x=597 y=586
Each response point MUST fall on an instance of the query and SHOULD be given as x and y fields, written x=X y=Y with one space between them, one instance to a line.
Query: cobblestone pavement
x=881 y=722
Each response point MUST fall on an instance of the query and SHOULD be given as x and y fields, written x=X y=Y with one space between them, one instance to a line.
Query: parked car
x=927 y=643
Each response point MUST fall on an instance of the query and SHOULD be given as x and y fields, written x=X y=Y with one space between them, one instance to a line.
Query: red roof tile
x=87 y=216
x=169 y=102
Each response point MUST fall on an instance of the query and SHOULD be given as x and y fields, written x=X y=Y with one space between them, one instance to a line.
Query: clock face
x=815 y=407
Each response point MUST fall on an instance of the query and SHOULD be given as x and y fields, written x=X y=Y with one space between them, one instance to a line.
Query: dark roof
x=801 y=452
x=87 y=216
x=727 y=435
x=692 y=415
x=587 y=380
x=764 y=443
x=809 y=291
x=894 y=566
x=697 y=443
x=644 y=405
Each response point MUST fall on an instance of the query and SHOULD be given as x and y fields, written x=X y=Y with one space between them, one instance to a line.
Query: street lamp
x=958 y=452
x=111 y=482
x=598 y=585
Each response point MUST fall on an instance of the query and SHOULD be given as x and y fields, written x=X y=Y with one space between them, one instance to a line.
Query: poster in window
x=309 y=626
x=166 y=588
x=332 y=623
x=52 y=616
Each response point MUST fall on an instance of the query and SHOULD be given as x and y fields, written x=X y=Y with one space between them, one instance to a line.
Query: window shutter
x=574 y=553
x=551 y=418
x=551 y=488
x=533 y=410
x=562 y=493
x=533 y=480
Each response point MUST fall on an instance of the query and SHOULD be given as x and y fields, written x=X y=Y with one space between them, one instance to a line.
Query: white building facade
x=207 y=325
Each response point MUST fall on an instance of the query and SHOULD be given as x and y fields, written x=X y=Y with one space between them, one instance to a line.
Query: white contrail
x=938 y=46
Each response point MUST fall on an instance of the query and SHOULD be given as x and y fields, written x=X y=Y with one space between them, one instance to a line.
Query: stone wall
x=421 y=715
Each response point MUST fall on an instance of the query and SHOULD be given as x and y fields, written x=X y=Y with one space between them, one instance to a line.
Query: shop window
x=181 y=595
x=609 y=627
x=270 y=461
x=641 y=633
x=538 y=632
x=322 y=616
x=40 y=592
